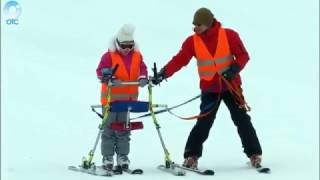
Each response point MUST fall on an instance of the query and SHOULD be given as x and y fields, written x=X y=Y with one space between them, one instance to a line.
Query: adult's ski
x=262 y=169
x=259 y=168
x=94 y=170
x=198 y=171
x=172 y=170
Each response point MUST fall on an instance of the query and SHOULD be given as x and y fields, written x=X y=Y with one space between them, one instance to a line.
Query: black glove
x=231 y=73
x=143 y=82
x=160 y=77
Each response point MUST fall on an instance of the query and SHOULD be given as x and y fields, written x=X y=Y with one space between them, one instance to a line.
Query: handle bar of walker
x=125 y=83
x=128 y=83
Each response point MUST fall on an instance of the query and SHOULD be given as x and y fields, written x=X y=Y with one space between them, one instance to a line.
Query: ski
x=94 y=170
x=199 y=171
x=260 y=169
x=133 y=171
x=173 y=170
x=119 y=170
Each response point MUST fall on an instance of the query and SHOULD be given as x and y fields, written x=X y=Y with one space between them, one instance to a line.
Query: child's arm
x=105 y=62
x=143 y=70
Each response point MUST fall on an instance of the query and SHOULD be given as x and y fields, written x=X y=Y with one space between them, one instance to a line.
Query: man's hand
x=231 y=73
x=160 y=77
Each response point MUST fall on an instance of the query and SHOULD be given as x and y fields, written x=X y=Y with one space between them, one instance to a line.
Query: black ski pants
x=239 y=116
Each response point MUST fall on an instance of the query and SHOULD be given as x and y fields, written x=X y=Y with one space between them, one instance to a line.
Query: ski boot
x=107 y=162
x=255 y=160
x=123 y=161
x=191 y=162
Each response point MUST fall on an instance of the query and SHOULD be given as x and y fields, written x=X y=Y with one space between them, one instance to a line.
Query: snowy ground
x=48 y=82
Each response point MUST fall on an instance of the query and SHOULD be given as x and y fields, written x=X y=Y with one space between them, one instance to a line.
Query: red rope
x=236 y=91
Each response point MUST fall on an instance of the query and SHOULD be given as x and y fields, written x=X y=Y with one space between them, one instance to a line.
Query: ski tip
x=208 y=172
x=137 y=171
x=264 y=170
x=260 y=169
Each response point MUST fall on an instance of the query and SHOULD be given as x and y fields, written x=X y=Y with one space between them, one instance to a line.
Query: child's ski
x=119 y=170
x=133 y=171
x=94 y=170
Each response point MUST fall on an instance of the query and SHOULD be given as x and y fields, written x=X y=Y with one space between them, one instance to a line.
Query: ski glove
x=231 y=73
x=104 y=79
x=143 y=82
x=106 y=71
x=106 y=75
x=160 y=77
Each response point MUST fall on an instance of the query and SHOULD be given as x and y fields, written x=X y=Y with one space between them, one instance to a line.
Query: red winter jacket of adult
x=210 y=38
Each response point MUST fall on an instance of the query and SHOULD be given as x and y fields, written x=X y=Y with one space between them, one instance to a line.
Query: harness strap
x=168 y=109
x=202 y=114
x=236 y=91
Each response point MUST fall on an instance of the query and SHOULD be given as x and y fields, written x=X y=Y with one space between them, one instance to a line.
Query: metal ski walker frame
x=130 y=106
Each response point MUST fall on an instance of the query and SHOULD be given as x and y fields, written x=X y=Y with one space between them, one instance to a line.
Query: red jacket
x=210 y=39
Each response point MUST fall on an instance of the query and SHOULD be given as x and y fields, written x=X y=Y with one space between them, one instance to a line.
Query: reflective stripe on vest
x=123 y=93
x=209 y=65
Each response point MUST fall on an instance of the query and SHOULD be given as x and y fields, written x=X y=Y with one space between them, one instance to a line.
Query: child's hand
x=143 y=82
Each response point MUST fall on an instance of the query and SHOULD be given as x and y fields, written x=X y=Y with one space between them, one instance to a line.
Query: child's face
x=125 y=48
x=125 y=51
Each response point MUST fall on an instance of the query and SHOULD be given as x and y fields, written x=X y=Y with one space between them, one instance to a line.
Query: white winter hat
x=125 y=34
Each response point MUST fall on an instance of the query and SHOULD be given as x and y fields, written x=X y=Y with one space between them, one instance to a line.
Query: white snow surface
x=48 y=83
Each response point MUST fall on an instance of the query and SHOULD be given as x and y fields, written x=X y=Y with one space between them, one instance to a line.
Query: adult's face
x=200 y=28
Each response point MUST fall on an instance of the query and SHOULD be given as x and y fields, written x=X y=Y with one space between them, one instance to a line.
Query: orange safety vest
x=209 y=65
x=123 y=93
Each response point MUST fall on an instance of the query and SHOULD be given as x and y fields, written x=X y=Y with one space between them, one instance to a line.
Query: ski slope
x=48 y=83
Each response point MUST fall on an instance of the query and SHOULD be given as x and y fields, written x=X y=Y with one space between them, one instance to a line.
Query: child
x=124 y=52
